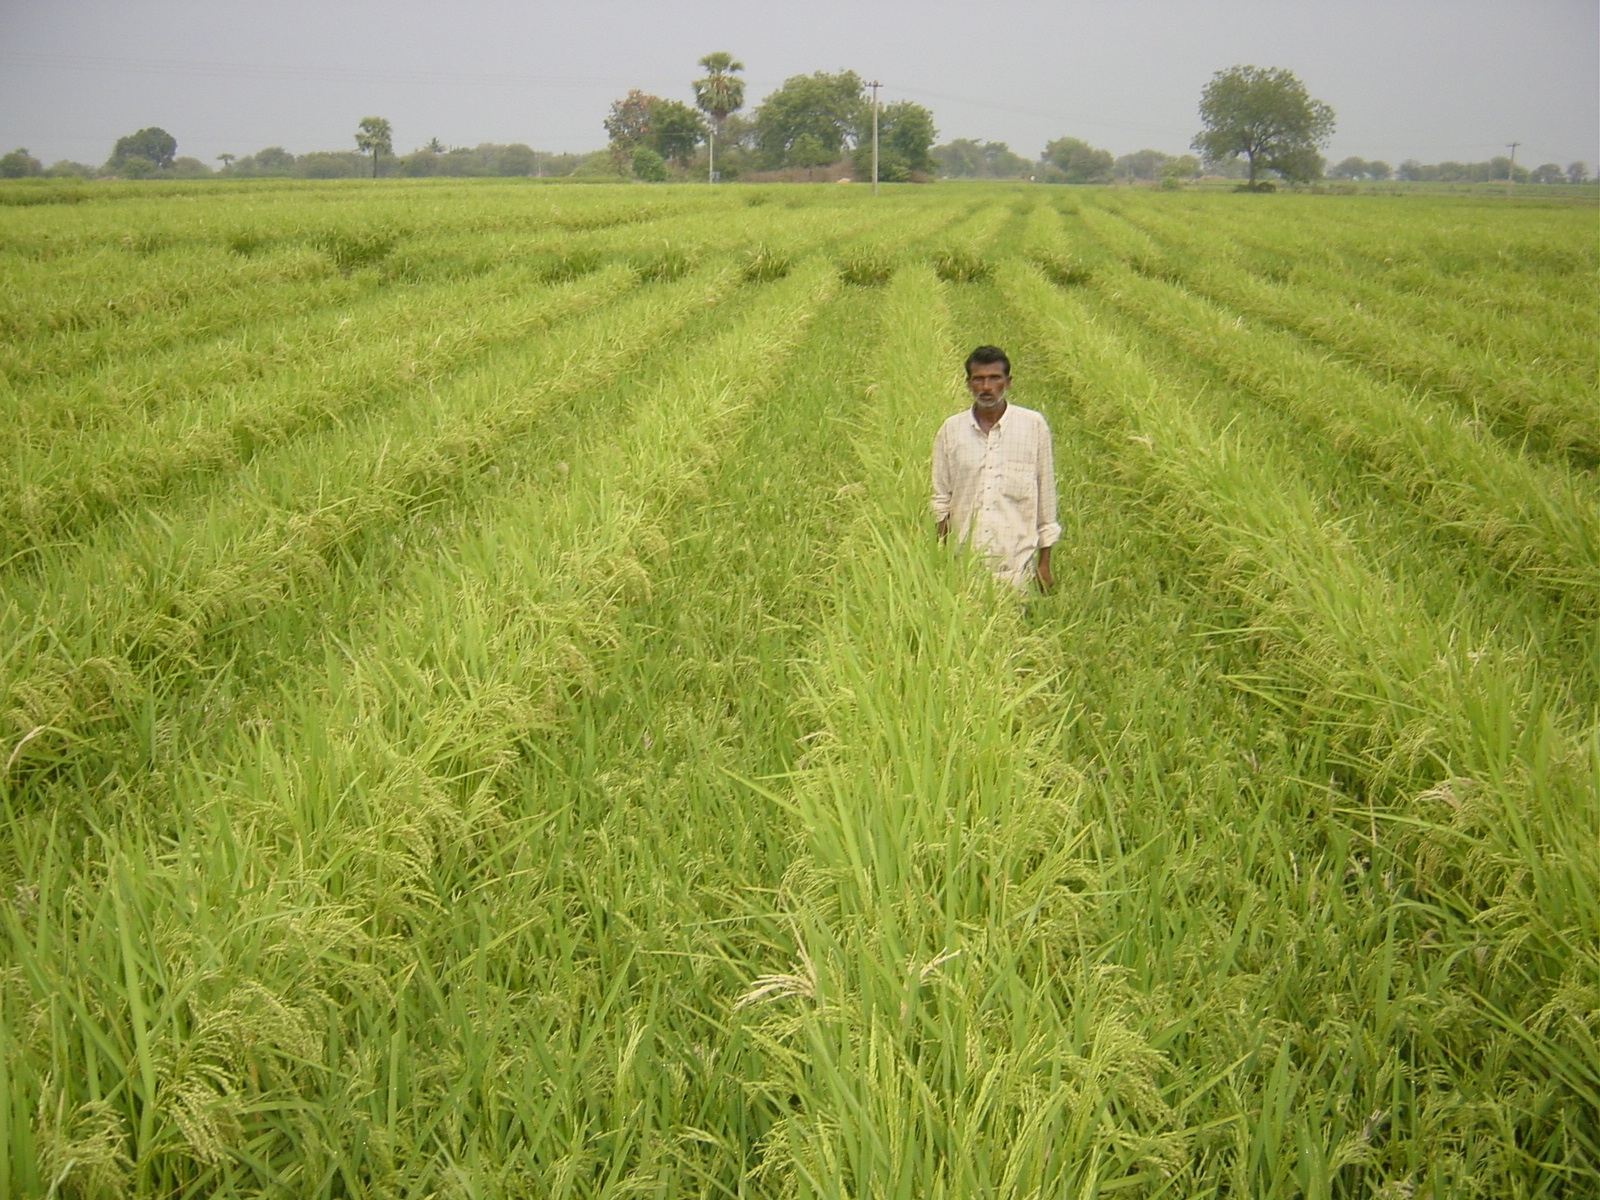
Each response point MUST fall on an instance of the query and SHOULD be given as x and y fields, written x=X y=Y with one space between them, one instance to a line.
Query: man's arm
x=941 y=485
x=1049 y=531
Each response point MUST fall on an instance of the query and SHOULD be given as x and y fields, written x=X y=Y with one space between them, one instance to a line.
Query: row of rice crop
x=1528 y=517
x=116 y=303
x=72 y=483
x=300 y=210
x=1521 y=262
x=279 y=992
x=404 y=345
x=914 y=1010
x=1458 y=752
x=585 y=775
x=86 y=619
x=1528 y=381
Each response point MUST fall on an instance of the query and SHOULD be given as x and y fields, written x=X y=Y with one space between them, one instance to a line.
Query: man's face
x=988 y=383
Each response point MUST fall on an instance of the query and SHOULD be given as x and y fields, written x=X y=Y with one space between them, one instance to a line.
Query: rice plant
x=483 y=710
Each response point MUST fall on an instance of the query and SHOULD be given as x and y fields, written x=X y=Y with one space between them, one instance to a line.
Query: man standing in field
x=994 y=476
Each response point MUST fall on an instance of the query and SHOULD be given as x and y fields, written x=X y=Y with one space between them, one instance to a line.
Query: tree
x=810 y=119
x=1075 y=161
x=964 y=158
x=628 y=125
x=1349 y=168
x=1265 y=114
x=1378 y=169
x=1184 y=166
x=648 y=165
x=272 y=160
x=1578 y=172
x=154 y=146
x=515 y=159
x=19 y=164
x=374 y=136
x=1548 y=173
x=1142 y=164
x=719 y=93
x=905 y=135
x=227 y=161
x=675 y=130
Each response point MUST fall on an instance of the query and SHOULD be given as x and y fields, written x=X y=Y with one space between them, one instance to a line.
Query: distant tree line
x=1492 y=171
x=811 y=122
x=153 y=154
x=1257 y=120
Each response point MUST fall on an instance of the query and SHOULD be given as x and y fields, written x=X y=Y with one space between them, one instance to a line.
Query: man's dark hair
x=986 y=355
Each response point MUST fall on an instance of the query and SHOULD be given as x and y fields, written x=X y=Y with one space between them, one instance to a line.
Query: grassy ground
x=484 y=714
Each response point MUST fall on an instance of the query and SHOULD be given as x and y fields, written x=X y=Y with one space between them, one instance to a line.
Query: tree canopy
x=810 y=119
x=628 y=124
x=674 y=130
x=905 y=135
x=152 y=145
x=1360 y=168
x=965 y=158
x=1265 y=114
x=19 y=164
x=1075 y=161
x=720 y=92
x=375 y=136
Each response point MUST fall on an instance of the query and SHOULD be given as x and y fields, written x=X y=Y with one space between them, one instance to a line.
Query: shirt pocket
x=1016 y=481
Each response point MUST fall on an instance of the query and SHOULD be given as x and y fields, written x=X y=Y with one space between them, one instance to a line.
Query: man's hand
x=1041 y=568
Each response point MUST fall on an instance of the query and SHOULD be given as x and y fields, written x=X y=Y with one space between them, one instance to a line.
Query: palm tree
x=374 y=136
x=717 y=95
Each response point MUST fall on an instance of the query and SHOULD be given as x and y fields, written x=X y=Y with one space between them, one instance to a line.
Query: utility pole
x=874 y=85
x=1512 y=169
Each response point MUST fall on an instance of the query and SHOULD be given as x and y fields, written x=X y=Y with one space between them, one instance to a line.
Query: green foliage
x=763 y=264
x=245 y=242
x=961 y=264
x=19 y=164
x=809 y=120
x=1148 y=165
x=965 y=158
x=1265 y=114
x=905 y=137
x=664 y=265
x=867 y=267
x=375 y=136
x=1063 y=270
x=648 y=165
x=154 y=146
x=349 y=249
x=501 y=724
x=1075 y=161
x=627 y=125
x=720 y=92
x=555 y=266
x=675 y=130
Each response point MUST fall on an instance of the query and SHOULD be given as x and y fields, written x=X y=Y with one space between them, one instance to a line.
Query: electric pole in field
x=874 y=85
x=1511 y=169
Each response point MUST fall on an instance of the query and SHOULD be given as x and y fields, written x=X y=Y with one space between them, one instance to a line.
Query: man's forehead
x=993 y=368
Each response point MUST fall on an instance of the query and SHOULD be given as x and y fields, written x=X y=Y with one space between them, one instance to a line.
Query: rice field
x=484 y=713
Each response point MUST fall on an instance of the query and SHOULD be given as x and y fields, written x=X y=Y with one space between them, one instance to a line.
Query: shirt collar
x=998 y=421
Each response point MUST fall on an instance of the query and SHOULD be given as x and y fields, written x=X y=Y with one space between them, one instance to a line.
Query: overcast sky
x=1426 y=79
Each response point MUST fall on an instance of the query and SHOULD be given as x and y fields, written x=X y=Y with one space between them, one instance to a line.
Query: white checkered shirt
x=998 y=490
